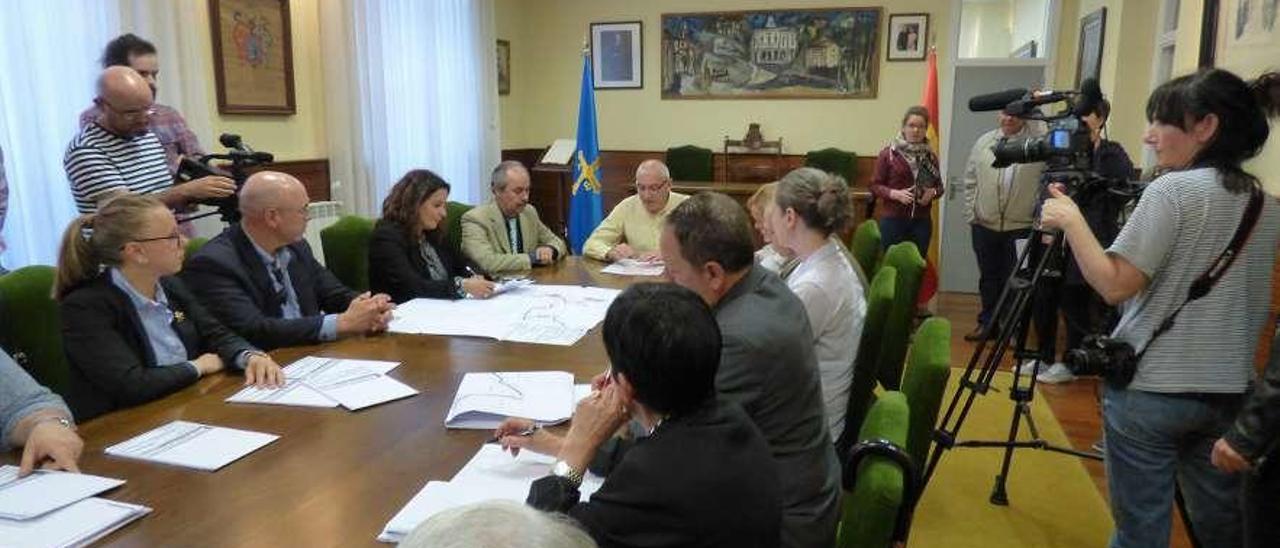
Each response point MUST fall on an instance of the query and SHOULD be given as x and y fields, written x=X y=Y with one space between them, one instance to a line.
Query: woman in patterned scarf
x=906 y=182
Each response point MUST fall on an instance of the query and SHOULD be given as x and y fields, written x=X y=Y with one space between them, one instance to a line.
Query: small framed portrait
x=908 y=36
x=504 y=67
x=617 y=55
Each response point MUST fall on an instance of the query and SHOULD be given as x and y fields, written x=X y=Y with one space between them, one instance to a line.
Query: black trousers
x=1262 y=504
x=997 y=257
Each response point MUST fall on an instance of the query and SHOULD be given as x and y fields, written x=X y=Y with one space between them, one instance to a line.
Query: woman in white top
x=808 y=206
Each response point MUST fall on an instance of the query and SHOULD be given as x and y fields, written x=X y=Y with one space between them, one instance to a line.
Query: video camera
x=241 y=159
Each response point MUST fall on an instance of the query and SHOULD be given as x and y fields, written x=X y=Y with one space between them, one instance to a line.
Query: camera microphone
x=1090 y=97
x=995 y=101
x=231 y=140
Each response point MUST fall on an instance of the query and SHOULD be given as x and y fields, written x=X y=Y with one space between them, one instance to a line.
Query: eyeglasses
x=132 y=114
x=175 y=237
x=304 y=211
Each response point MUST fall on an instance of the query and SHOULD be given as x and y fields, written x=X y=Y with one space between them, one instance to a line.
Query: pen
x=523 y=433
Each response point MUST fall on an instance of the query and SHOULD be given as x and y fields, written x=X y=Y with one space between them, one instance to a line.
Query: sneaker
x=1056 y=374
x=1032 y=367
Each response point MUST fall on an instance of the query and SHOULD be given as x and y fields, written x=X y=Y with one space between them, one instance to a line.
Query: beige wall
x=297 y=137
x=546 y=38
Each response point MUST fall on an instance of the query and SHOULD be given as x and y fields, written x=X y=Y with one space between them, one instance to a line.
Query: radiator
x=322 y=215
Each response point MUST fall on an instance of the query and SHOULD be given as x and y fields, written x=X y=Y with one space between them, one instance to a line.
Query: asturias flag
x=586 y=208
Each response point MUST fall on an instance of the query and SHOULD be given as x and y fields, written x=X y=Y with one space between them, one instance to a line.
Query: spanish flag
x=929 y=99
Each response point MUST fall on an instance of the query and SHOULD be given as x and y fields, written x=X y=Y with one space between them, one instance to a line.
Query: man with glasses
x=261 y=279
x=631 y=230
x=118 y=153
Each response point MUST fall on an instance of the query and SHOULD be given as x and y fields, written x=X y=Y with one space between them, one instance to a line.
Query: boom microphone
x=995 y=101
x=1090 y=96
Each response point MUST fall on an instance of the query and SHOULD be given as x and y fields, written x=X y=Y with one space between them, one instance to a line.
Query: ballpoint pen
x=523 y=433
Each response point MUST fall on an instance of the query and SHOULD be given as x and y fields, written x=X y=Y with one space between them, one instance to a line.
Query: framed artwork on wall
x=617 y=55
x=252 y=56
x=1093 y=28
x=504 y=67
x=1232 y=31
x=908 y=37
x=829 y=53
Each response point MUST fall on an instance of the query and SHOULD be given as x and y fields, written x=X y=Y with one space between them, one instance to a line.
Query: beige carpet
x=1052 y=500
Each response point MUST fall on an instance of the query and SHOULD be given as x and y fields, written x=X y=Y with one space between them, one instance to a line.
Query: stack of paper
x=483 y=400
x=328 y=382
x=491 y=474
x=192 y=445
x=540 y=314
x=632 y=267
x=50 y=508
x=512 y=284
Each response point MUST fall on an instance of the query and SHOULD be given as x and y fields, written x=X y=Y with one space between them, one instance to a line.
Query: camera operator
x=1082 y=308
x=1189 y=377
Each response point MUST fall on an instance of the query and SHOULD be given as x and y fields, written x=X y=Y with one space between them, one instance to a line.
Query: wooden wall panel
x=314 y=175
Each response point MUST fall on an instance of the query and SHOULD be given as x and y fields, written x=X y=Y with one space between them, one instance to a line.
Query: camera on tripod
x=1113 y=360
x=241 y=159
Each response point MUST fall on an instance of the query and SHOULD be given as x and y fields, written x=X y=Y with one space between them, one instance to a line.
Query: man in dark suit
x=767 y=365
x=261 y=279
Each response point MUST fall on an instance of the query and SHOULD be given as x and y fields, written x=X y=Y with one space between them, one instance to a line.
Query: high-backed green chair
x=861 y=391
x=453 y=226
x=346 y=250
x=865 y=245
x=834 y=161
x=893 y=345
x=878 y=478
x=690 y=163
x=31 y=327
x=194 y=245
x=925 y=381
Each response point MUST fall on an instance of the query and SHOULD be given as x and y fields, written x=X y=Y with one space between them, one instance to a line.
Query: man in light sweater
x=631 y=230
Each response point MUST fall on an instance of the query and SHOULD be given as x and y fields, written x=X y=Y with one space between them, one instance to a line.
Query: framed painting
x=829 y=53
x=1093 y=28
x=504 y=67
x=617 y=55
x=1238 y=33
x=252 y=56
x=908 y=37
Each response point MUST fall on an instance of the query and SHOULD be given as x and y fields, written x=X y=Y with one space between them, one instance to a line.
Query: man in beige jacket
x=1000 y=207
x=506 y=235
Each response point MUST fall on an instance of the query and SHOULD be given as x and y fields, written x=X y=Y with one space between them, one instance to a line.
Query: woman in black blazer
x=131 y=331
x=408 y=254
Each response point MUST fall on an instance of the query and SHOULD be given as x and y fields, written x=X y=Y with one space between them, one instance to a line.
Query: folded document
x=483 y=400
x=328 y=382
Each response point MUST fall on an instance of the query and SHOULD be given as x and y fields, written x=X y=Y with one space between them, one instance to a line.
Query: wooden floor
x=1075 y=404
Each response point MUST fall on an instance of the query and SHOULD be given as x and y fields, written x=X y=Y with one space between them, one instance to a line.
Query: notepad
x=490 y=474
x=79 y=524
x=45 y=491
x=192 y=445
x=632 y=267
x=484 y=400
x=328 y=382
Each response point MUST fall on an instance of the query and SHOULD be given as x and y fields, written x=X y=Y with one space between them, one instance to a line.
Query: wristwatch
x=65 y=422
x=565 y=471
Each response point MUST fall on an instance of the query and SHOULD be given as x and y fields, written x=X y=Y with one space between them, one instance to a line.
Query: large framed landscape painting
x=798 y=53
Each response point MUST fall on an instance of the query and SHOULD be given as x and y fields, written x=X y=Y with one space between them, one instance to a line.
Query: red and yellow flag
x=929 y=99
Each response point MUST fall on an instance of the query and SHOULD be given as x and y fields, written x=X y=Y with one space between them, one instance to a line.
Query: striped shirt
x=99 y=162
x=1184 y=220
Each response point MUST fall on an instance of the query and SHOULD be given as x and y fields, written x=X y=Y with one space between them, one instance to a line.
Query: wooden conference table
x=334 y=477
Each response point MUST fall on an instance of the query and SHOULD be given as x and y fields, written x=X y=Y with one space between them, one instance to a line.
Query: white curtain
x=49 y=53
x=186 y=70
x=409 y=84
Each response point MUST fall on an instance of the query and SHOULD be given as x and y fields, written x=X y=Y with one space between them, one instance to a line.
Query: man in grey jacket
x=767 y=363
x=33 y=417
x=1000 y=207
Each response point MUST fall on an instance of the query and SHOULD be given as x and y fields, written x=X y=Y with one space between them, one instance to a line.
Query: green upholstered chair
x=346 y=250
x=194 y=245
x=878 y=483
x=861 y=391
x=453 y=226
x=865 y=245
x=31 y=331
x=893 y=345
x=690 y=163
x=925 y=381
x=834 y=161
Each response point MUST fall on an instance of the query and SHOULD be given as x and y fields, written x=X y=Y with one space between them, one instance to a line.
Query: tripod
x=1011 y=318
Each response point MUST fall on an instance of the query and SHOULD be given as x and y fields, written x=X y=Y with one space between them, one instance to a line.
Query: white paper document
x=328 y=382
x=79 y=524
x=491 y=474
x=483 y=400
x=192 y=445
x=513 y=284
x=540 y=314
x=560 y=152
x=632 y=267
x=45 y=491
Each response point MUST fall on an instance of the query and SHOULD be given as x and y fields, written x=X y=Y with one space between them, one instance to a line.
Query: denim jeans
x=1153 y=439
x=900 y=229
